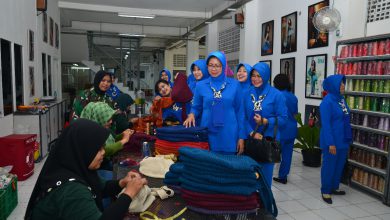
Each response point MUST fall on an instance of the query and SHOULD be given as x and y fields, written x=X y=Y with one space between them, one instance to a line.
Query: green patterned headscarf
x=99 y=112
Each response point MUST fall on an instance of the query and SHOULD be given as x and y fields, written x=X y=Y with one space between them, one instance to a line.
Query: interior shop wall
x=17 y=17
x=168 y=58
x=260 y=11
x=75 y=48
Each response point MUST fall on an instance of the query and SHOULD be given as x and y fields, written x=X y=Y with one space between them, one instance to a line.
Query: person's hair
x=157 y=83
x=313 y=62
x=282 y=82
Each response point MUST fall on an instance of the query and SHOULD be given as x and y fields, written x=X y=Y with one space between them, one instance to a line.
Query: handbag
x=266 y=150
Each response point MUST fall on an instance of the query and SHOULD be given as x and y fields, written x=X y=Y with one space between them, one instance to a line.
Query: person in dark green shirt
x=68 y=186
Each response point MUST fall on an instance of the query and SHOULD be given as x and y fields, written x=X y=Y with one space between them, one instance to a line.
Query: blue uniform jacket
x=175 y=111
x=271 y=106
x=335 y=116
x=289 y=131
x=222 y=138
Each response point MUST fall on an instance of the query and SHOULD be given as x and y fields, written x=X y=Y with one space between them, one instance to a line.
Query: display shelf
x=367 y=77
x=373 y=113
x=366 y=58
x=377 y=131
x=372 y=94
x=371 y=149
x=368 y=168
x=371 y=190
x=363 y=39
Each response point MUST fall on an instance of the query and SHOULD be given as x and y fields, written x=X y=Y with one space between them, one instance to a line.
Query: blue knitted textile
x=180 y=133
x=220 y=212
x=220 y=178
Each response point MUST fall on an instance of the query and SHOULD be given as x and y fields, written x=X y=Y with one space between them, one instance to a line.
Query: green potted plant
x=308 y=141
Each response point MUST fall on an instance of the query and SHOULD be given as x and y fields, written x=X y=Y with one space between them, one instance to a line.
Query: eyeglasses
x=214 y=66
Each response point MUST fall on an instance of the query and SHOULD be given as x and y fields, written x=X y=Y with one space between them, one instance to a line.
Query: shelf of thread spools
x=365 y=62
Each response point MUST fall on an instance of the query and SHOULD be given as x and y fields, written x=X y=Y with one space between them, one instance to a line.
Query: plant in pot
x=308 y=141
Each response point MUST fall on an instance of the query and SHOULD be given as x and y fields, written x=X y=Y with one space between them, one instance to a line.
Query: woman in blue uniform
x=288 y=133
x=165 y=74
x=335 y=136
x=243 y=71
x=199 y=72
x=219 y=100
x=264 y=105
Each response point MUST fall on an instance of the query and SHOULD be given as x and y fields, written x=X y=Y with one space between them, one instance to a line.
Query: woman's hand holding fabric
x=190 y=121
x=240 y=146
x=134 y=184
x=126 y=136
x=130 y=175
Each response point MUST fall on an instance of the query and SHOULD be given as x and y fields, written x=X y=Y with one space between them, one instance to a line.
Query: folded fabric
x=237 y=206
x=180 y=133
x=155 y=167
x=233 y=162
x=168 y=147
x=177 y=168
x=218 y=197
x=215 y=171
x=171 y=179
x=221 y=212
x=142 y=200
x=224 y=189
x=227 y=180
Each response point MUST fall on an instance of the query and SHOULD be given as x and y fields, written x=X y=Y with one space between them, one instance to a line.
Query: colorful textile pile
x=212 y=183
x=170 y=139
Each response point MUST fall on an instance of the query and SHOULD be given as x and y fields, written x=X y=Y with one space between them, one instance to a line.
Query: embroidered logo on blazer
x=257 y=104
x=343 y=107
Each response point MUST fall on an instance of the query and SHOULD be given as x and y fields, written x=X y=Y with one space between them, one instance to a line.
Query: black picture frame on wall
x=269 y=62
x=289 y=29
x=316 y=38
x=51 y=32
x=267 y=38
x=312 y=115
x=31 y=45
x=44 y=28
x=316 y=66
x=287 y=66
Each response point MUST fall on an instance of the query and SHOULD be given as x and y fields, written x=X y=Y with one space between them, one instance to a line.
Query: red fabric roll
x=167 y=147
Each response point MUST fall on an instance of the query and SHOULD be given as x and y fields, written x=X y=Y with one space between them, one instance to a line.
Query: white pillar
x=192 y=53
x=212 y=37
x=250 y=45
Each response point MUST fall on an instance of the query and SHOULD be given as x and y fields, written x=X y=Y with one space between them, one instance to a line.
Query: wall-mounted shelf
x=368 y=168
x=377 y=131
x=367 y=76
x=371 y=190
x=372 y=94
x=373 y=113
x=371 y=149
x=367 y=58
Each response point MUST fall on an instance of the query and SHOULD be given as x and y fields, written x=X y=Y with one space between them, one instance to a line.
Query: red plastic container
x=18 y=150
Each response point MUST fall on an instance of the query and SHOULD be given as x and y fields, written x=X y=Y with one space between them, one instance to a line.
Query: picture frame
x=57 y=36
x=312 y=114
x=316 y=38
x=287 y=66
x=267 y=38
x=316 y=66
x=44 y=28
x=51 y=32
x=269 y=62
x=289 y=29
x=31 y=81
x=31 y=45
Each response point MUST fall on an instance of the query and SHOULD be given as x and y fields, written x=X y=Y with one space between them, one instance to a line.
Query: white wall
x=75 y=48
x=260 y=11
x=16 y=18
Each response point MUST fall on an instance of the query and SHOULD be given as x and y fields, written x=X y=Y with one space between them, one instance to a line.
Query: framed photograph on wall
x=51 y=32
x=44 y=27
x=57 y=33
x=315 y=75
x=269 y=62
x=316 y=38
x=31 y=80
x=287 y=66
x=267 y=38
x=31 y=45
x=289 y=33
x=312 y=115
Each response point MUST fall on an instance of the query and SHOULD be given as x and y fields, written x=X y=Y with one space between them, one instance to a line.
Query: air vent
x=378 y=10
x=179 y=60
x=229 y=40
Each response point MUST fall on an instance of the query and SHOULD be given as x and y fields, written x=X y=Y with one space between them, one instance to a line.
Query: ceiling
x=174 y=18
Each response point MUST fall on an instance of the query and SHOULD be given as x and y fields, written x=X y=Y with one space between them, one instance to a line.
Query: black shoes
x=327 y=198
x=338 y=192
x=279 y=180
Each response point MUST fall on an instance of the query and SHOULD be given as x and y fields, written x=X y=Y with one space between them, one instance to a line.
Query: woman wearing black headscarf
x=97 y=93
x=68 y=186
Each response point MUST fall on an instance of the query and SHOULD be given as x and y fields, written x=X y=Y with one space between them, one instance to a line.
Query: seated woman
x=68 y=186
x=121 y=118
x=102 y=114
x=97 y=93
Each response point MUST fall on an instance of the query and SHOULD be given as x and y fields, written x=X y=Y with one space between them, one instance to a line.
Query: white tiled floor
x=300 y=199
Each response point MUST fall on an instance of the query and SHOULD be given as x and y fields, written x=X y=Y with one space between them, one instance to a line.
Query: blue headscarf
x=219 y=80
x=201 y=64
x=166 y=70
x=248 y=68
x=265 y=73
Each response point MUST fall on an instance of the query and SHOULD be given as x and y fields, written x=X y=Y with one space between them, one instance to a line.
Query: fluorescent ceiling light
x=123 y=48
x=75 y=64
x=128 y=52
x=79 y=68
x=232 y=9
x=133 y=35
x=208 y=22
x=120 y=14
